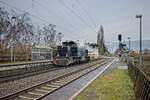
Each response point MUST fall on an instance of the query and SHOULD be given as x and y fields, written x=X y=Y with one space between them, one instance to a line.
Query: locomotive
x=70 y=53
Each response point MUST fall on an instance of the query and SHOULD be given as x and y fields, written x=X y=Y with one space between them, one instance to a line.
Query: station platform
x=19 y=65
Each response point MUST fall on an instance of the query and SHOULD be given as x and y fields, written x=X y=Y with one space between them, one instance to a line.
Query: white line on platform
x=72 y=97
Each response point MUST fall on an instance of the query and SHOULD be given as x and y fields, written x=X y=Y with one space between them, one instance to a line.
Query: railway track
x=41 y=90
x=9 y=77
x=27 y=74
x=20 y=70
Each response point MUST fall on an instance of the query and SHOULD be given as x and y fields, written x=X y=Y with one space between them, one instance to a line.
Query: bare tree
x=25 y=32
x=4 y=28
x=17 y=30
x=37 y=37
x=50 y=35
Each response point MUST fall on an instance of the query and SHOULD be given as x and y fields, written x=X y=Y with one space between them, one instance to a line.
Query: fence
x=141 y=82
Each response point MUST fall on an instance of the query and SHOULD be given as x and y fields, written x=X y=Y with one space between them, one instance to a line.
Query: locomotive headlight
x=57 y=55
x=66 y=55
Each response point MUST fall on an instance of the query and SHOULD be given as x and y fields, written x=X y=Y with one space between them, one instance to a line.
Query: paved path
x=121 y=65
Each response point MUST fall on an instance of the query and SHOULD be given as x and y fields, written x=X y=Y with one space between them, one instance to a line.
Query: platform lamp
x=11 y=49
x=140 y=17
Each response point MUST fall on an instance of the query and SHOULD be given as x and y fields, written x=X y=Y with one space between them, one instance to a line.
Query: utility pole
x=140 y=17
x=60 y=35
x=12 y=42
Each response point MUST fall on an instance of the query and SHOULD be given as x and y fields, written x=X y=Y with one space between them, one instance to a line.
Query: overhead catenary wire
x=48 y=10
x=86 y=12
x=79 y=17
x=37 y=17
x=70 y=35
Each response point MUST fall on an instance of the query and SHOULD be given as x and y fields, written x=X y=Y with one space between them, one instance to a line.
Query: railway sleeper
x=48 y=88
x=65 y=81
x=42 y=90
x=61 y=82
x=57 y=84
x=36 y=93
x=28 y=96
x=53 y=86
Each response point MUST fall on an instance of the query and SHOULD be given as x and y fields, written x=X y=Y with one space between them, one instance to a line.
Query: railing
x=141 y=82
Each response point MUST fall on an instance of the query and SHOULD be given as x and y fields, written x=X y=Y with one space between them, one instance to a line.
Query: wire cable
x=90 y=18
x=39 y=18
x=48 y=10
x=79 y=17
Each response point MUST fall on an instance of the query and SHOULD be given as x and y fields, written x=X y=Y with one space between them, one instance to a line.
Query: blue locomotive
x=70 y=53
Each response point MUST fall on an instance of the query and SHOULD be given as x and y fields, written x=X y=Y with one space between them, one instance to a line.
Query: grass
x=113 y=86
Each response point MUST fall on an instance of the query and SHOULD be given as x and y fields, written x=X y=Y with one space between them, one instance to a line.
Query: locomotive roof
x=69 y=43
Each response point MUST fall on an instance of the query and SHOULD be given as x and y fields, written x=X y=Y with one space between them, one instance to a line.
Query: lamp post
x=60 y=35
x=140 y=17
x=11 y=49
x=129 y=43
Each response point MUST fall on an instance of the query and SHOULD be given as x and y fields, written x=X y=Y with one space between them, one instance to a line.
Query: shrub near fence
x=141 y=82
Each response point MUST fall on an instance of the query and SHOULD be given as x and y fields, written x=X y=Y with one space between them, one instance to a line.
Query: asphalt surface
x=69 y=91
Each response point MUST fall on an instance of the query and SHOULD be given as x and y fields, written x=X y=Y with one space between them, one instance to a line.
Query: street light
x=60 y=35
x=140 y=17
x=11 y=49
x=129 y=43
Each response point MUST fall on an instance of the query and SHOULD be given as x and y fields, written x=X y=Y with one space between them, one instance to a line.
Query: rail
x=141 y=82
x=49 y=86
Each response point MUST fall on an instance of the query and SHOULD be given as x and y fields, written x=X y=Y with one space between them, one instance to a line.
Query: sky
x=81 y=19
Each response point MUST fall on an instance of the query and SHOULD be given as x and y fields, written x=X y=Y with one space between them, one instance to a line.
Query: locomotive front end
x=62 y=58
x=62 y=61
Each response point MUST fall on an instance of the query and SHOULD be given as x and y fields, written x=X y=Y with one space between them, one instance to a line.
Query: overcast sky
x=116 y=16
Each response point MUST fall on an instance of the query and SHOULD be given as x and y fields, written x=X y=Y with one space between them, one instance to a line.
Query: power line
x=39 y=18
x=79 y=17
x=48 y=10
x=86 y=13
x=23 y=11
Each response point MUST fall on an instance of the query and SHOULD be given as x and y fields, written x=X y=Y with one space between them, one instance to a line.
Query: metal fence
x=141 y=82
